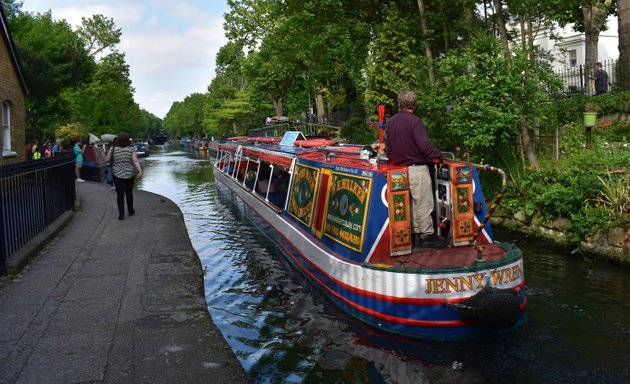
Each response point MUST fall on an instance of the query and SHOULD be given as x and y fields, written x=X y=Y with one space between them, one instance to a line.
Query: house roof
x=8 y=40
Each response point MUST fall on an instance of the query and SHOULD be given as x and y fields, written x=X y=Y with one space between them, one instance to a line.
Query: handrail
x=496 y=201
x=341 y=153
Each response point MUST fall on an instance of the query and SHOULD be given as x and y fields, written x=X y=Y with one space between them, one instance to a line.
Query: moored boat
x=343 y=218
x=94 y=164
x=159 y=138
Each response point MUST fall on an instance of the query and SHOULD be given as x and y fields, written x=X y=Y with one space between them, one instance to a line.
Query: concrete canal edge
x=612 y=247
x=119 y=301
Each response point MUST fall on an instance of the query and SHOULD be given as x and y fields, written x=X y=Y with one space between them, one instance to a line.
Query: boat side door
x=320 y=206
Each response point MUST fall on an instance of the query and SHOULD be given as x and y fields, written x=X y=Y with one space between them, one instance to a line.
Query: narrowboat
x=94 y=164
x=159 y=138
x=341 y=215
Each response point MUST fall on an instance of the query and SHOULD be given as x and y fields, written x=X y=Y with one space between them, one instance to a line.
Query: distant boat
x=160 y=138
x=94 y=164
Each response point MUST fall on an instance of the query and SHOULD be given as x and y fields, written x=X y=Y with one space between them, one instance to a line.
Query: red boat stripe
x=379 y=315
x=386 y=298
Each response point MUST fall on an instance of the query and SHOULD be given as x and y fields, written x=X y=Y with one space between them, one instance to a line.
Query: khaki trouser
x=421 y=200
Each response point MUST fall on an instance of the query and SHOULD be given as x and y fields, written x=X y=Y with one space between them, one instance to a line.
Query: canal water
x=284 y=331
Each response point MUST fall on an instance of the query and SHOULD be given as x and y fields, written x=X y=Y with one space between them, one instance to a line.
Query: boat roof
x=273 y=152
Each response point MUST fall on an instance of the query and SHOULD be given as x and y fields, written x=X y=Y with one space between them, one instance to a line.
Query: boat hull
x=408 y=301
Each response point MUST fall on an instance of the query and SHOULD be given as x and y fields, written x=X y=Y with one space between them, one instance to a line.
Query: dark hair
x=123 y=140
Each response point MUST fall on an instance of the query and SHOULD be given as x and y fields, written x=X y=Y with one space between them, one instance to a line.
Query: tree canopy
x=76 y=78
x=481 y=81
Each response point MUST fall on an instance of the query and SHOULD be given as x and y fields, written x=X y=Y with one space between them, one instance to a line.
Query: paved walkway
x=110 y=301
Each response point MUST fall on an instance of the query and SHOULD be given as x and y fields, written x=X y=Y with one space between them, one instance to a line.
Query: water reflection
x=284 y=331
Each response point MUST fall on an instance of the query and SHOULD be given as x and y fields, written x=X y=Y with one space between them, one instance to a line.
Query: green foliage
x=356 y=131
x=53 y=59
x=588 y=221
x=396 y=62
x=112 y=114
x=186 y=118
x=569 y=110
x=231 y=116
x=67 y=84
x=599 y=156
x=99 y=33
x=554 y=193
x=70 y=133
x=480 y=98
x=615 y=196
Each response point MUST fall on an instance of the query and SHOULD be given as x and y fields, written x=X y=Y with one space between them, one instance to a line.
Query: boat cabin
x=353 y=204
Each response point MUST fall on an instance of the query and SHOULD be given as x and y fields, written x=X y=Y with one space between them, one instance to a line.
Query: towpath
x=110 y=301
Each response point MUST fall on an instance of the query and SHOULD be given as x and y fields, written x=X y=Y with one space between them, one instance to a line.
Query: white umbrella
x=92 y=138
x=108 y=137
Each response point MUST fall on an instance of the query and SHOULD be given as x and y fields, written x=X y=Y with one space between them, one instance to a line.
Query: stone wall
x=613 y=246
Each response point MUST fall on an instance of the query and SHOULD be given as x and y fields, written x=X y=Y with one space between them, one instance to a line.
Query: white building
x=568 y=49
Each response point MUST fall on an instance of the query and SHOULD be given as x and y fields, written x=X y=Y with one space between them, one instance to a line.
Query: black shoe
x=131 y=212
x=416 y=240
x=121 y=217
x=432 y=241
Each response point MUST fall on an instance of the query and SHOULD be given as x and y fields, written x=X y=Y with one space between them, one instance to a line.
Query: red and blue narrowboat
x=341 y=216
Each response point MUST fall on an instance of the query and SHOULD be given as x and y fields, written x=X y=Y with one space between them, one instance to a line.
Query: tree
x=231 y=115
x=186 y=118
x=588 y=17
x=595 y=13
x=77 y=76
x=106 y=104
x=99 y=34
x=481 y=102
x=12 y=7
x=503 y=35
x=395 y=63
x=426 y=40
x=53 y=58
x=624 y=43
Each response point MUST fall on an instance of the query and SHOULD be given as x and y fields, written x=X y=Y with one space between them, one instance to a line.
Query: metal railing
x=33 y=194
x=577 y=77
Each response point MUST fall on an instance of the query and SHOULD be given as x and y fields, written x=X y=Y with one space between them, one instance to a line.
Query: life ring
x=235 y=138
x=265 y=139
x=312 y=143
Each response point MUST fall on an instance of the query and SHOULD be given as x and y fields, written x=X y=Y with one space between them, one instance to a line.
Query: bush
x=70 y=133
x=588 y=221
x=554 y=193
x=356 y=131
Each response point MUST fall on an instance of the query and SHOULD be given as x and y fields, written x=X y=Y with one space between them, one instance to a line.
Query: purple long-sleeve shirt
x=407 y=141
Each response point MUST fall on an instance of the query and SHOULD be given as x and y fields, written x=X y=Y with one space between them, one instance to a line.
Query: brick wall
x=11 y=92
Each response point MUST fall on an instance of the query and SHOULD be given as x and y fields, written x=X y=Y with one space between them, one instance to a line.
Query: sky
x=170 y=46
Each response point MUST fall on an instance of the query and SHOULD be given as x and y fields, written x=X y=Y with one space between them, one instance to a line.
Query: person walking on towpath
x=123 y=163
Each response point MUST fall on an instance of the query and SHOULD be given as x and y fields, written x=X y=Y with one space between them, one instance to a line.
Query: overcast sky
x=170 y=46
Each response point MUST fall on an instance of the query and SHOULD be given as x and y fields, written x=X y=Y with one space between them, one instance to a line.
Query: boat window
x=273 y=183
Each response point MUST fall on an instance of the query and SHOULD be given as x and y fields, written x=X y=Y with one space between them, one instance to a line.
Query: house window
x=6 y=130
x=572 y=58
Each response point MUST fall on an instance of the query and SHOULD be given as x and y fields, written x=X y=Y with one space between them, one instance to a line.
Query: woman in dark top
x=125 y=159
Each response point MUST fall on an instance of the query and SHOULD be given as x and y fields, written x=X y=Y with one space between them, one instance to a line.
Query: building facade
x=12 y=94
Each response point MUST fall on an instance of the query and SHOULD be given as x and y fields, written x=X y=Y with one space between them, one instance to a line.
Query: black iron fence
x=578 y=78
x=32 y=195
